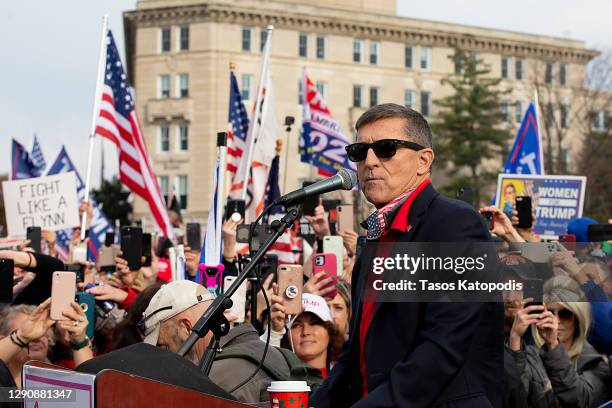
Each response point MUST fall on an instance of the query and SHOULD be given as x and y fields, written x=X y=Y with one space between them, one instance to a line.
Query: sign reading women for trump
x=46 y=202
x=556 y=200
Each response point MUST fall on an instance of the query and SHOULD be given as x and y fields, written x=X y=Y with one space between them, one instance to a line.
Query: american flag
x=238 y=128
x=118 y=122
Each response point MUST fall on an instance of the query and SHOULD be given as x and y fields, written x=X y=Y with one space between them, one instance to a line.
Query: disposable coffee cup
x=288 y=394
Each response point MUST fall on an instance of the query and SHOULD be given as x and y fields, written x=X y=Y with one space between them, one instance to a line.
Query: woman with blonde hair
x=562 y=368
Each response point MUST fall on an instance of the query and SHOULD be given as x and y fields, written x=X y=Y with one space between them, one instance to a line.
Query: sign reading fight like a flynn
x=47 y=202
x=556 y=200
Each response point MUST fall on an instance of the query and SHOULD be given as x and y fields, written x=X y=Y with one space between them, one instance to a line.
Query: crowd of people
x=556 y=352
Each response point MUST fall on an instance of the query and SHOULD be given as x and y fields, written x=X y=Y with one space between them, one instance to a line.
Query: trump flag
x=526 y=154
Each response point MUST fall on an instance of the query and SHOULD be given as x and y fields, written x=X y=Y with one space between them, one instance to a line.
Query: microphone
x=343 y=180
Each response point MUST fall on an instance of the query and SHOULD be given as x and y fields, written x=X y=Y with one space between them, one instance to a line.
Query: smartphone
x=235 y=210
x=105 y=305
x=346 y=218
x=260 y=234
x=333 y=244
x=466 y=195
x=269 y=266
x=63 y=289
x=79 y=253
x=327 y=263
x=238 y=298
x=488 y=219
x=6 y=280
x=599 y=232
x=523 y=208
x=539 y=252
x=532 y=288
x=212 y=279
x=194 y=240
x=106 y=258
x=79 y=271
x=290 y=284
x=109 y=238
x=87 y=301
x=311 y=202
x=146 y=249
x=33 y=234
x=131 y=246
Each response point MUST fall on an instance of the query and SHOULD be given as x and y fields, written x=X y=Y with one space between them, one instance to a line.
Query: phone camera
x=319 y=260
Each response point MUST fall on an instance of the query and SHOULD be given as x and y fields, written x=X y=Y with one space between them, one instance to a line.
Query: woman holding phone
x=562 y=368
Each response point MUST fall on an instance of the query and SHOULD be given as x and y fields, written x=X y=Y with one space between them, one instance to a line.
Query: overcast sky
x=49 y=52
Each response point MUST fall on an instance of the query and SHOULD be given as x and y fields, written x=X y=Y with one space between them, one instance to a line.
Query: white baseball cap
x=173 y=298
x=316 y=305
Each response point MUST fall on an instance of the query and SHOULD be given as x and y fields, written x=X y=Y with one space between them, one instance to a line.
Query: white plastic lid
x=288 y=386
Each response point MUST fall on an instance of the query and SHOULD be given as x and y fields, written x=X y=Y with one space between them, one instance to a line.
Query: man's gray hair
x=417 y=129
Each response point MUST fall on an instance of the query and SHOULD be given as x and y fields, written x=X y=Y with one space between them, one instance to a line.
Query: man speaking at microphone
x=403 y=354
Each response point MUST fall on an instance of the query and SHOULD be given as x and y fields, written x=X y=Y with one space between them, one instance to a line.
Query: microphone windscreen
x=349 y=179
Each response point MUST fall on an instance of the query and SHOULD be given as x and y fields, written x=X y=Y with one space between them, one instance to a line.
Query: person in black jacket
x=402 y=354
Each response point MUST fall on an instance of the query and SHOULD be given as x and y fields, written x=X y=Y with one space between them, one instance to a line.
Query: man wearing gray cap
x=167 y=323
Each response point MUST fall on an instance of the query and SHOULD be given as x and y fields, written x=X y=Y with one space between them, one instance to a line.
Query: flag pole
x=540 y=140
x=222 y=147
x=96 y=109
x=252 y=138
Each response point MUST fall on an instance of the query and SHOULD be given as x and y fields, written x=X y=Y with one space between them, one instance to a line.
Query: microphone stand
x=213 y=318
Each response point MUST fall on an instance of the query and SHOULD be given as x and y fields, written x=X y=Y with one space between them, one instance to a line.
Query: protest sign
x=47 y=202
x=556 y=200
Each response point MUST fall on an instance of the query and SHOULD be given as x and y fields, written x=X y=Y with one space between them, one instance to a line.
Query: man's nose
x=371 y=159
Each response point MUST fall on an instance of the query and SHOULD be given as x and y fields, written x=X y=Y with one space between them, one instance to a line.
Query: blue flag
x=526 y=154
x=37 y=156
x=99 y=223
x=22 y=166
x=273 y=189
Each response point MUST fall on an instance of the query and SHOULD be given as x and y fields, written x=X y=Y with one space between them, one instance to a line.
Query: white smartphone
x=333 y=244
x=238 y=298
x=79 y=253
x=539 y=252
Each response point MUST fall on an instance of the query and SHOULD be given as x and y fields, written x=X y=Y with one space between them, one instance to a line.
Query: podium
x=111 y=389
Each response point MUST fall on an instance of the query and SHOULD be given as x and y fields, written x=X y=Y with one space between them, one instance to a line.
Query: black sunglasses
x=564 y=314
x=384 y=149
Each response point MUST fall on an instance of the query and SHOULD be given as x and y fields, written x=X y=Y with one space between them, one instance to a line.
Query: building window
x=322 y=89
x=373 y=96
x=563 y=113
x=300 y=91
x=562 y=74
x=246 y=39
x=374 y=50
x=182 y=191
x=164 y=86
x=408 y=57
x=519 y=112
x=505 y=64
x=245 y=86
x=518 y=71
x=599 y=122
x=182 y=83
x=549 y=73
x=165 y=39
x=357 y=50
x=408 y=98
x=263 y=35
x=425 y=103
x=182 y=143
x=357 y=91
x=425 y=57
x=303 y=45
x=184 y=38
x=164 y=139
x=505 y=111
x=320 y=47
x=550 y=115
x=163 y=186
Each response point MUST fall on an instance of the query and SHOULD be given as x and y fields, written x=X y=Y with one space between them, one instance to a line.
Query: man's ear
x=426 y=158
x=186 y=325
